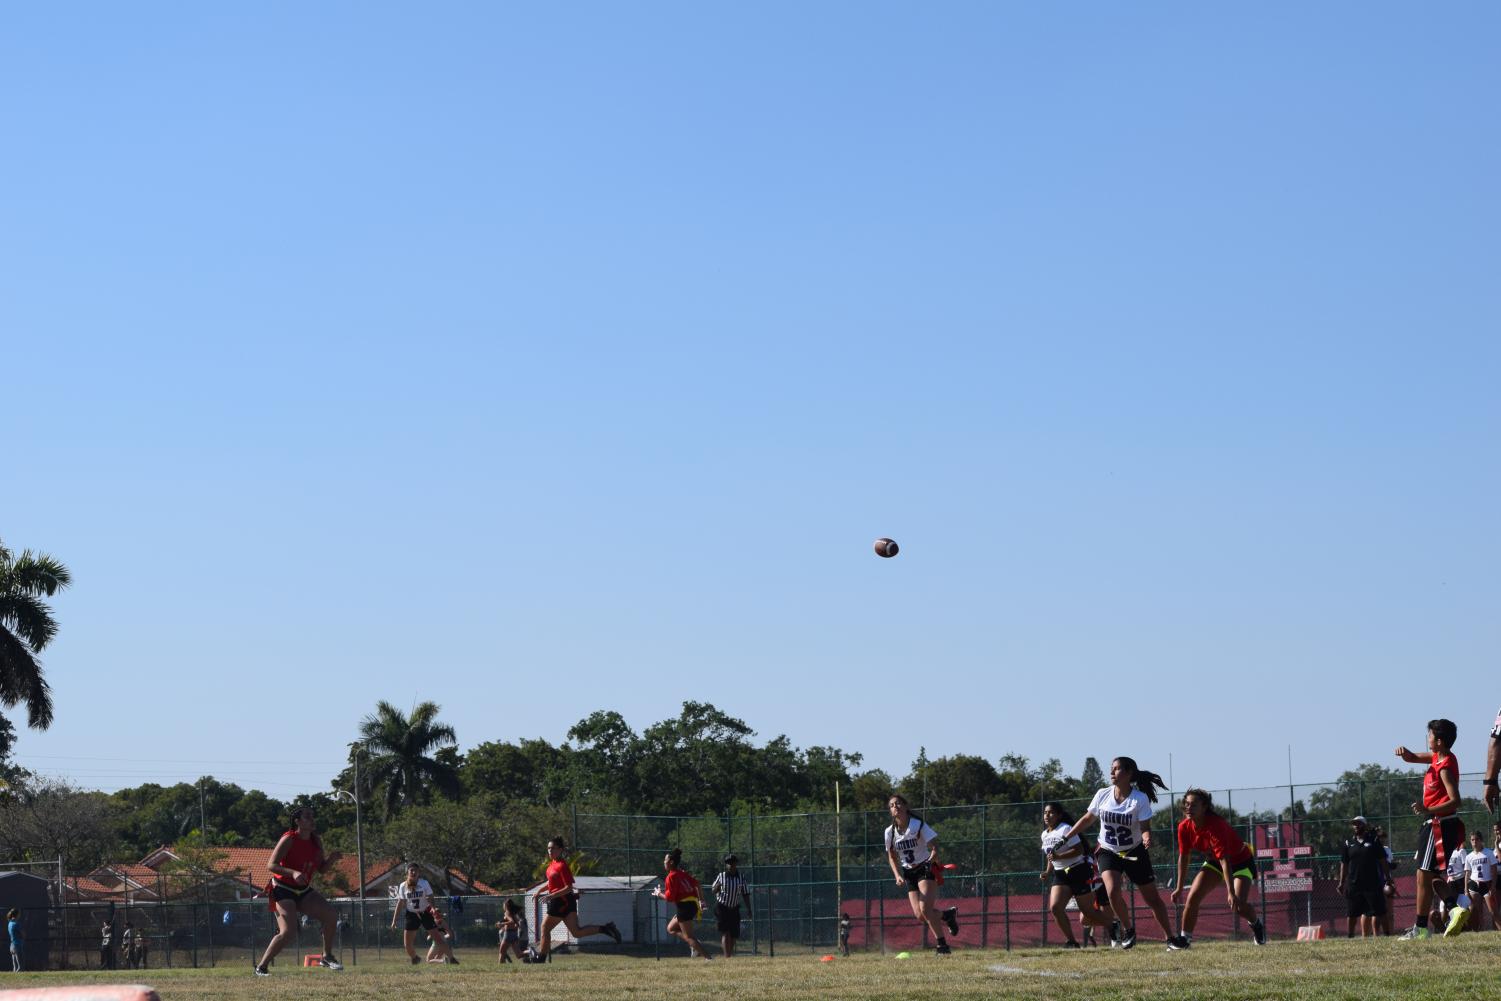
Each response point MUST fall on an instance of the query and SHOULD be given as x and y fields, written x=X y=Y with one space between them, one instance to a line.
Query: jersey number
x=1115 y=836
x=908 y=857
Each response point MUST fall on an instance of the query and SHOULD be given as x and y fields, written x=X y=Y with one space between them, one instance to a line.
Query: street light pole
x=359 y=840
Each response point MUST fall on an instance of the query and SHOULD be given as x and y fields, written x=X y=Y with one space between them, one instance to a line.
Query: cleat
x=1413 y=934
x=1178 y=942
x=612 y=931
x=942 y=949
x=1458 y=918
x=1071 y=944
x=329 y=963
x=261 y=971
x=1128 y=940
x=416 y=960
x=951 y=918
x=1258 y=932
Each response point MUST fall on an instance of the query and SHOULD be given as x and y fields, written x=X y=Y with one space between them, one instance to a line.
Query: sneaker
x=951 y=918
x=261 y=971
x=1128 y=940
x=1413 y=933
x=942 y=949
x=1458 y=918
x=1115 y=934
x=1258 y=932
x=329 y=963
x=1071 y=944
x=1177 y=942
x=612 y=931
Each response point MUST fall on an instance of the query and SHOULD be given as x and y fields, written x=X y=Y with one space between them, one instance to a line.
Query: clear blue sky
x=536 y=359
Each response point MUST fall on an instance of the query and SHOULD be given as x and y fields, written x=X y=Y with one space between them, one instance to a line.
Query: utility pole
x=202 y=814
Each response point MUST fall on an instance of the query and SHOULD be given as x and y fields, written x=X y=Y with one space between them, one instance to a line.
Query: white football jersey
x=1481 y=865
x=1456 y=868
x=1061 y=839
x=911 y=846
x=417 y=898
x=1121 y=821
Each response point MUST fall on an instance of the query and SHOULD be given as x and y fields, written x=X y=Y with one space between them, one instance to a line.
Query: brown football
x=887 y=548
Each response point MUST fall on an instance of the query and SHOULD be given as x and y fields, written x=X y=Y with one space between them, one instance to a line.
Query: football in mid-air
x=887 y=548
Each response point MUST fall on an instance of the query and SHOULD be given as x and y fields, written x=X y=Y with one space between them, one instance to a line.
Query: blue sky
x=536 y=359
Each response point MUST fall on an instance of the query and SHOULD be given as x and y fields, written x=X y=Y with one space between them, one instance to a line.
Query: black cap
x=731 y=860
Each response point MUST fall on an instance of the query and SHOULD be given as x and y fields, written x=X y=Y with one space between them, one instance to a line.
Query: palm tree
x=26 y=627
x=399 y=747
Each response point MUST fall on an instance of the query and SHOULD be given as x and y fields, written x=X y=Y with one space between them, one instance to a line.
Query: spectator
x=128 y=946
x=106 y=945
x=142 y=941
x=844 y=933
x=1389 y=891
x=1363 y=879
x=17 y=942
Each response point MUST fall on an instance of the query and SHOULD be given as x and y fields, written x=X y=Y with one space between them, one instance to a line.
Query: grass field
x=1368 y=971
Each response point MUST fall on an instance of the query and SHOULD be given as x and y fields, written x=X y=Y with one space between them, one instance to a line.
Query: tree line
x=487 y=811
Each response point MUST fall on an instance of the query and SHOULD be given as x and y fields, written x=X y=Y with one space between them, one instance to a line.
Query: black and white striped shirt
x=730 y=890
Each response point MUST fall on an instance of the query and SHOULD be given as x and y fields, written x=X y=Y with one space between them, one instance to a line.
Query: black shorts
x=562 y=906
x=509 y=936
x=687 y=910
x=1475 y=889
x=1361 y=902
x=423 y=920
x=1437 y=840
x=1101 y=897
x=915 y=874
x=727 y=919
x=1136 y=864
x=280 y=893
x=1452 y=889
x=1076 y=877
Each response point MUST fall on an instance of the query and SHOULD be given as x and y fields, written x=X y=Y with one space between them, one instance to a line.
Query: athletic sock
x=1422 y=920
x=942 y=940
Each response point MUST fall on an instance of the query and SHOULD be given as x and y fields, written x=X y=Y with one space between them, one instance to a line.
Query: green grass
x=1373 y=970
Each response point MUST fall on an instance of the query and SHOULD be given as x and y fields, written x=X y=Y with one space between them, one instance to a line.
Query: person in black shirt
x=1362 y=877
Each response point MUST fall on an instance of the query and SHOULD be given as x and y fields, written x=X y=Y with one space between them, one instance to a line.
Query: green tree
x=405 y=755
x=514 y=772
x=962 y=778
x=26 y=627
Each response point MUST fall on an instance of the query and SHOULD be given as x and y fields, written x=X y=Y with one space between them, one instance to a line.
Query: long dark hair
x=675 y=856
x=1147 y=782
x=295 y=816
x=905 y=806
x=1062 y=811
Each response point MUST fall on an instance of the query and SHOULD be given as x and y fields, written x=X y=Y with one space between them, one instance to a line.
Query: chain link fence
x=806 y=871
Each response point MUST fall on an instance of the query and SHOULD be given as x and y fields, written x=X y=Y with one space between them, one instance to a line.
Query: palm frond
x=28 y=618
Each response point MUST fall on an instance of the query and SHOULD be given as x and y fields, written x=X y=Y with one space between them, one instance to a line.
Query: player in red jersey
x=681 y=889
x=1442 y=832
x=296 y=857
x=1231 y=864
x=562 y=903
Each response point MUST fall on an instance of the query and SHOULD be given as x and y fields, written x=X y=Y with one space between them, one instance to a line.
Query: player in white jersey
x=413 y=898
x=1068 y=873
x=1480 y=875
x=912 y=850
x=1124 y=810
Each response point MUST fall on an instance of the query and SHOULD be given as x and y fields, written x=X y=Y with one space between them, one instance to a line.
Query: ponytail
x=1203 y=796
x=1147 y=782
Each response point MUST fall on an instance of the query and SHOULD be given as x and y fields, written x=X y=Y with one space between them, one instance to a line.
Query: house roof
x=244 y=866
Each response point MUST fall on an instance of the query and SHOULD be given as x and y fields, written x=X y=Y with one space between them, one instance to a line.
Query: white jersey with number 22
x=1121 y=821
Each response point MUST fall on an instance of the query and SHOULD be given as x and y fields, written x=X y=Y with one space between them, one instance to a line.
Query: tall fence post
x=984 y=875
x=755 y=935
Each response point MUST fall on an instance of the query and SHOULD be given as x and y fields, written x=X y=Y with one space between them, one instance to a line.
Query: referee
x=730 y=889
